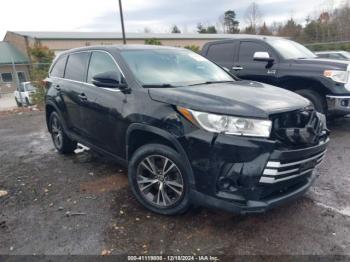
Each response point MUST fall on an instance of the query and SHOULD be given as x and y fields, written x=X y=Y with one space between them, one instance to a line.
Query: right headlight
x=231 y=125
x=337 y=75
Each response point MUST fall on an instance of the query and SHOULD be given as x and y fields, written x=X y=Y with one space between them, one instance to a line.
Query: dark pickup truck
x=287 y=64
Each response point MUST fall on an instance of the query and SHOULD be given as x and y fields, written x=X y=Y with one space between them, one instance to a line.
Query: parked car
x=189 y=133
x=23 y=94
x=286 y=64
x=336 y=55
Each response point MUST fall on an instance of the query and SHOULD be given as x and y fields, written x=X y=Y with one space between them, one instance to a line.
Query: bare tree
x=253 y=17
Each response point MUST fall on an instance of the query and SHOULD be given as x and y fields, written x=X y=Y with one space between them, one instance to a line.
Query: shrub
x=41 y=58
x=152 y=41
x=194 y=48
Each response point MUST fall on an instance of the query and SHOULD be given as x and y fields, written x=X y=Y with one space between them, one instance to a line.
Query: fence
x=11 y=75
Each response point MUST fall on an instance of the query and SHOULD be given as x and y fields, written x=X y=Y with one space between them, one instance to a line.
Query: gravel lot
x=7 y=101
x=81 y=204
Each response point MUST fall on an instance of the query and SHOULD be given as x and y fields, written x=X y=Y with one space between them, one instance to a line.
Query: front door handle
x=82 y=97
x=236 y=68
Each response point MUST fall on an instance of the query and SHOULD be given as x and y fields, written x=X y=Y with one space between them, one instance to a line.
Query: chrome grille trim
x=272 y=180
x=275 y=172
x=272 y=173
x=274 y=164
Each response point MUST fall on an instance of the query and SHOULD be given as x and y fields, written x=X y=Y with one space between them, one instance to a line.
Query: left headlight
x=231 y=125
x=337 y=75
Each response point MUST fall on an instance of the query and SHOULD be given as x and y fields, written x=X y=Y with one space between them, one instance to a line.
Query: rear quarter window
x=58 y=68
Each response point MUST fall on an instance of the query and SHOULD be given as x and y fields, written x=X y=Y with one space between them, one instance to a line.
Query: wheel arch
x=138 y=135
x=305 y=83
x=49 y=108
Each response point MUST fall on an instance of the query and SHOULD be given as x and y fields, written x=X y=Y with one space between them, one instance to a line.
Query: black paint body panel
x=110 y=121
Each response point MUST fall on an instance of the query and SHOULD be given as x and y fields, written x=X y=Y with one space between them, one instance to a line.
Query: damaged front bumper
x=248 y=175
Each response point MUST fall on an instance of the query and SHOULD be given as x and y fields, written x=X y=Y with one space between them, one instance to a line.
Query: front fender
x=165 y=135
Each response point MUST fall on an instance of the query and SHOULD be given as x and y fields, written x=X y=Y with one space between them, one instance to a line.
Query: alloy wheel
x=57 y=133
x=159 y=181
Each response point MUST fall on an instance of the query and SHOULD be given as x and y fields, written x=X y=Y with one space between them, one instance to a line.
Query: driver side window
x=101 y=62
x=248 y=49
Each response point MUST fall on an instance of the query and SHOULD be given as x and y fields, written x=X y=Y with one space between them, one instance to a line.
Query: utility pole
x=122 y=20
x=17 y=83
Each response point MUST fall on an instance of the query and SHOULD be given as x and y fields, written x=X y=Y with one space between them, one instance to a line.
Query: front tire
x=61 y=141
x=159 y=179
x=27 y=102
x=18 y=103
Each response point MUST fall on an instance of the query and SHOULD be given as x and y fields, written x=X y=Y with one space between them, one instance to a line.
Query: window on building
x=6 y=77
x=101 y=63
x=76 y=66
x=21 y=77
x=58 y=68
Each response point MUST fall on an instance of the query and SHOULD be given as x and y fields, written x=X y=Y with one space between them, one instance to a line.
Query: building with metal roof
x=12 y=61
x=61 y=41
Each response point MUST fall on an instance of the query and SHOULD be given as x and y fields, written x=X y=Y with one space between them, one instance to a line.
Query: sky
x=156 y=15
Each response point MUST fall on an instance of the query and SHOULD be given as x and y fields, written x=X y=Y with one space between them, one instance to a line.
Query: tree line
x=328 y=26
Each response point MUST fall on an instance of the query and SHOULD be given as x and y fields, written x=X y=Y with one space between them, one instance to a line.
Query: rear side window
x=58 y=68
x=76 y=66
x=222 y=53
x=247 y=50
x=101 y=62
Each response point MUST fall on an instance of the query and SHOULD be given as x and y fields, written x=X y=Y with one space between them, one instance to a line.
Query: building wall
x=17 y=40
x=7 y=87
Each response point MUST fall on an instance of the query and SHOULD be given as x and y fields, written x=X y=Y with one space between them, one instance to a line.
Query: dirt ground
x=7 y=101
x=81 y=204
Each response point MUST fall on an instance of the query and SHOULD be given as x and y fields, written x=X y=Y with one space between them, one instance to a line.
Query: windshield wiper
x=212 y=82
x=157 y=85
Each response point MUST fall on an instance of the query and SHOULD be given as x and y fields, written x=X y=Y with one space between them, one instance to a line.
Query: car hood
x=323 y=63
x=241 y=98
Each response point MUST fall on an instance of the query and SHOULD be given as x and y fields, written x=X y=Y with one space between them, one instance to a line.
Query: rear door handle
x=57 y=87
x=82 y=97
x=236 y=68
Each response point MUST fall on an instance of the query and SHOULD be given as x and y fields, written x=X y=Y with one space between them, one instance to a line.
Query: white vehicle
x=337 y=55
x=23 y=94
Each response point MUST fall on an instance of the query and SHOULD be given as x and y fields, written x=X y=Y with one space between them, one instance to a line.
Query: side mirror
x=262 y=56
x=109 y=79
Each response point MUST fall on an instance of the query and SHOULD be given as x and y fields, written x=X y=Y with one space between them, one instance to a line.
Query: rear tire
x=318 y=101
x=61 y=141
x=159 y=179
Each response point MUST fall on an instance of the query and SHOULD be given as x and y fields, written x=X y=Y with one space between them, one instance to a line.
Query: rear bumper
x=338 y=105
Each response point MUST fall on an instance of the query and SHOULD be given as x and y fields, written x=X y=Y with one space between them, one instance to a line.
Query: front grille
x=276 y=171
x=298 y=128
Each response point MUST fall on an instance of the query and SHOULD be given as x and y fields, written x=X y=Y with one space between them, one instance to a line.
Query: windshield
x=172 y=67
x=346 y=54
x=290 y=49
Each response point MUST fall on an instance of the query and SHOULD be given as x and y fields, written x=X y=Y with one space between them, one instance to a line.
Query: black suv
x=286 y=64
x=189 y=133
